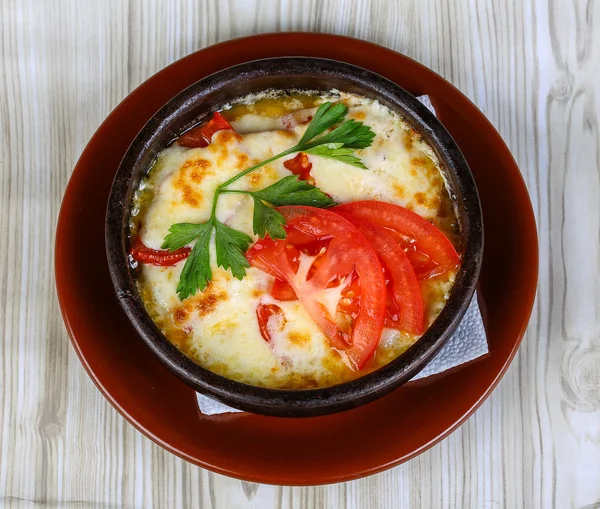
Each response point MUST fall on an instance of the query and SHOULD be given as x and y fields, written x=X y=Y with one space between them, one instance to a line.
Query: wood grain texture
x=532 y=67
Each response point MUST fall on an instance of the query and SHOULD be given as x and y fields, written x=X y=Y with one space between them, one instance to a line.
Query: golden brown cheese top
x=218 y=327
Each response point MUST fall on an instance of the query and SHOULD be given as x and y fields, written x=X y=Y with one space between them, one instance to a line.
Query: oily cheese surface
x=218 y=328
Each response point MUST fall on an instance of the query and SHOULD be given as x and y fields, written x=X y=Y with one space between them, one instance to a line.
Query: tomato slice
x=164 y=258
x=301 y=166
x=200 y=136
x=428 y=249
x=349 y=302
x=404 y=307
x=283 y=291
x=320 y=281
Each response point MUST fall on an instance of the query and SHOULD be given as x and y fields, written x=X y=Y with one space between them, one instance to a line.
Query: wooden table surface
x=532 y=67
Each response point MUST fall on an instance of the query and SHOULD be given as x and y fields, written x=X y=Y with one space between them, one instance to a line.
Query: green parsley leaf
x=267 y=220
x=338 y=152
x=292 y=191
x=182 y=234
x=351 y=134
x=231 y=245
x=326 y=116
x=196 y=272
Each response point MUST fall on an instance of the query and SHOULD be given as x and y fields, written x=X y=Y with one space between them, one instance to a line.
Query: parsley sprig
x=321 y=138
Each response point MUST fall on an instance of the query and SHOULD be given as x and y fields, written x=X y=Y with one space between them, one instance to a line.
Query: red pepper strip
x=163 y=258
x=200 y=136
x=263 y=313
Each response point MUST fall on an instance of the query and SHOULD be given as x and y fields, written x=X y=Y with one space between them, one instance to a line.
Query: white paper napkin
x=466 y=344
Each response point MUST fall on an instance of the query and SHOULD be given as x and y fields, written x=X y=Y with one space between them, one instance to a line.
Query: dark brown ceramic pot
x=210 y=94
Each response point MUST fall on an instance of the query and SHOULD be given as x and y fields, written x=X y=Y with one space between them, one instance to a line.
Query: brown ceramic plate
x=274 y=450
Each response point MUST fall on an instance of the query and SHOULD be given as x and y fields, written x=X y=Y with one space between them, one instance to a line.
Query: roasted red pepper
x=200 y=136
x=263 y=313
x=301 y=166
x=164 y=258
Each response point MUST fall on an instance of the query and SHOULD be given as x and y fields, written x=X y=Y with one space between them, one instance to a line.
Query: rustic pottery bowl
x=192 y=106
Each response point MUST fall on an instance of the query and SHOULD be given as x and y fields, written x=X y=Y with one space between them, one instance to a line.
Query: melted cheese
x=218 y=328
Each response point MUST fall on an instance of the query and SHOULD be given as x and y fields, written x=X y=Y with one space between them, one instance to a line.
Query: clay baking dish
x=192 y=106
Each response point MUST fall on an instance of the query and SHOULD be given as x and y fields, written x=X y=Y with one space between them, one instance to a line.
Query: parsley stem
x=213 y=214
x=221 y=188
x=241 y=191
x=256 y=166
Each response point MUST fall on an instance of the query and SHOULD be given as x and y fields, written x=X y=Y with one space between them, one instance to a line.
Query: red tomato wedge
x=428 y=249
x=404 y=307
x=320 y=280
x=200 y=136
x=164 y=258
x=301 y=166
